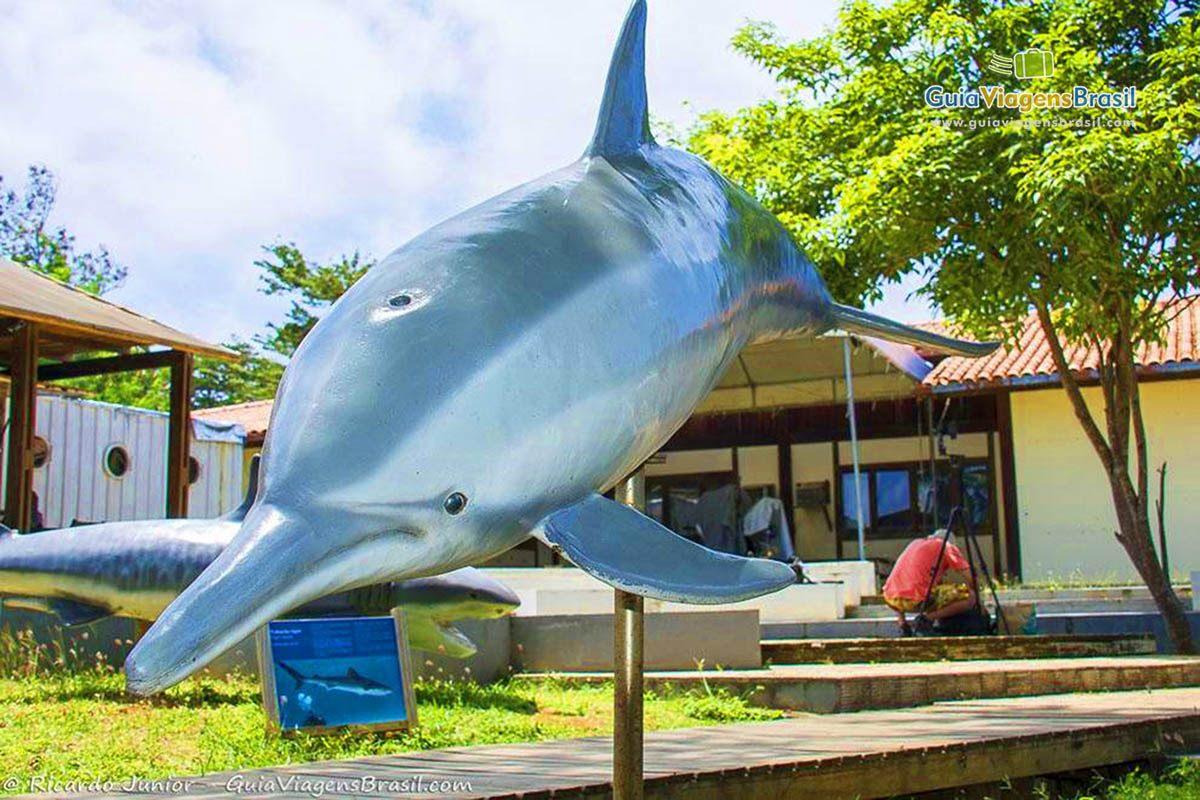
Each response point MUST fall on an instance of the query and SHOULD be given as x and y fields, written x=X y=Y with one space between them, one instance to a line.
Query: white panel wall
x=73 y=484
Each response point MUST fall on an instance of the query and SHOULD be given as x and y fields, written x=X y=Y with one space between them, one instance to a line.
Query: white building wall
x=1063 y=500
x=73 y=484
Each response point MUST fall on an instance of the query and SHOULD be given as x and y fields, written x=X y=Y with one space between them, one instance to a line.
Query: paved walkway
x=865 y=754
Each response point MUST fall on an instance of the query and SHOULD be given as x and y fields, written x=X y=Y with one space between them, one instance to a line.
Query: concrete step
x=952 y=648
x=833 y=688
x=833 y=629
x=871 y=611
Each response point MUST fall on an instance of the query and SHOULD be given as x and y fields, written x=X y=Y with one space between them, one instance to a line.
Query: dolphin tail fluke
x=632 y=552
x=854 y=320
x=624 y=122
x=239 y=513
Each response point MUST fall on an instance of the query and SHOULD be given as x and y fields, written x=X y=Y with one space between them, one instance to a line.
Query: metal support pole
x=858 y=502
x=933 y=485
x=628 y=662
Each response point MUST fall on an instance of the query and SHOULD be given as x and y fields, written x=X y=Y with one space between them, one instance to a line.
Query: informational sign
x=324 y=675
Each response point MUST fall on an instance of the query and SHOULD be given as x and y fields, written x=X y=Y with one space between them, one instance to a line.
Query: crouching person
x=950 y=600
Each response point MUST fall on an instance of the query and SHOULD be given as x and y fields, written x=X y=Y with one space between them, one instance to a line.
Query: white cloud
x=187 y=135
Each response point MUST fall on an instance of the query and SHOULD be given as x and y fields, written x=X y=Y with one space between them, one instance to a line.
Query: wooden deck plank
x=868 y=754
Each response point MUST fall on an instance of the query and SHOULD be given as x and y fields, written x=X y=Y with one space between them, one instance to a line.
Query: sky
x=185 y=136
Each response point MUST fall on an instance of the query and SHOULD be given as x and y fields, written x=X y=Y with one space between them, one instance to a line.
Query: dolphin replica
x=351 y=683
x=492 y=378
x=135 y=569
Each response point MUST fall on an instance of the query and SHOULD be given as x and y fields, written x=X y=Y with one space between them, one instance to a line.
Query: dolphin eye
x=399 y=300
x=455 y=503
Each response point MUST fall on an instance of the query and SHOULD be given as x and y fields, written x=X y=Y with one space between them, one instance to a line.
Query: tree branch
x=1071 y=385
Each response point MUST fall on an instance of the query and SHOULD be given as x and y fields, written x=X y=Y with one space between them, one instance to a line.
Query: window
x=849 y=500
x=898 y=499
x=116 y=461
x=893 y=500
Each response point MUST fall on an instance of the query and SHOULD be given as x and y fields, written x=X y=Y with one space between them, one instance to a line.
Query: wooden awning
x=809 y=371
x=72 y=321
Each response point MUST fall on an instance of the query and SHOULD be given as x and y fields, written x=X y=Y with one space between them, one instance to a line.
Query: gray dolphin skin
x=493 y=377
x=351 y=683
x=136 y=569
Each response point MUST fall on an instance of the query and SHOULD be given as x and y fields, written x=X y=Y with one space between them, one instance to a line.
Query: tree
x=312 y=286
x=27 y=237
x=1091 y=228
x=252 y=376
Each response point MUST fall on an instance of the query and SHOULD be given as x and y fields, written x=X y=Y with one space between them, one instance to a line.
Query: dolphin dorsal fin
x=239 y=513
x=624 y=122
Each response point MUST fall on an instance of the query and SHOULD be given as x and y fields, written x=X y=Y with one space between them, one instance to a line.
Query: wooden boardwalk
x=864 y=754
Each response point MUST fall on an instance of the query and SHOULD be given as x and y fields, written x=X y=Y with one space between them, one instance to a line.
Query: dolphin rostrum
x=352 y=682
x=492 y=378
x=135 y=569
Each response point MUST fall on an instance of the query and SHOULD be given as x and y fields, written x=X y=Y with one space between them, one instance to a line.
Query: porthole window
x=193 y=470
x=116 y=461
x=41 y=452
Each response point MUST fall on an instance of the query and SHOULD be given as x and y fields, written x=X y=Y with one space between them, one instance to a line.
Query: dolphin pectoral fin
x=72 y=612
x=239 y=513
x=632 y=552
x=855 y=320
x=69 y=612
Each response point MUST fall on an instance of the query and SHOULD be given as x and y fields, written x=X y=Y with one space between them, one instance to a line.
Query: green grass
x=69 y=719
x=1180 y=782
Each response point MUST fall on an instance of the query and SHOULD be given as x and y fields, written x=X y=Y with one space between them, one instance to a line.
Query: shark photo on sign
x=135 y=569
x=350 y=683
x=493 y=377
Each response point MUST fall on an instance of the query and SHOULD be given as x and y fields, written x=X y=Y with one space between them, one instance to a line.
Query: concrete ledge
x=859 y=573
x=801 y=601
x=884 y=628
x=827 y=689
x=1116 y=622
x=673 y=641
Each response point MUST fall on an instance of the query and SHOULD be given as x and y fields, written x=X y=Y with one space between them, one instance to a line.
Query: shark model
x=136 y=569
x=492 y=378
x=350 y=683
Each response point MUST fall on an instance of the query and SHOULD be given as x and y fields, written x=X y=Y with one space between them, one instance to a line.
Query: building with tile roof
x=995 y=435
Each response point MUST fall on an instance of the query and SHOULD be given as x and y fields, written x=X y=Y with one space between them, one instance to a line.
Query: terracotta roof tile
x=1031 y=361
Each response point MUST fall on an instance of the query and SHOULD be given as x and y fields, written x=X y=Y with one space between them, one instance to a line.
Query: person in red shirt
x=908 y=585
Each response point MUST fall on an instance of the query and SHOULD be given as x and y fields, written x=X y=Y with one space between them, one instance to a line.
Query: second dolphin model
x=135 y=569
x=492 y=378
